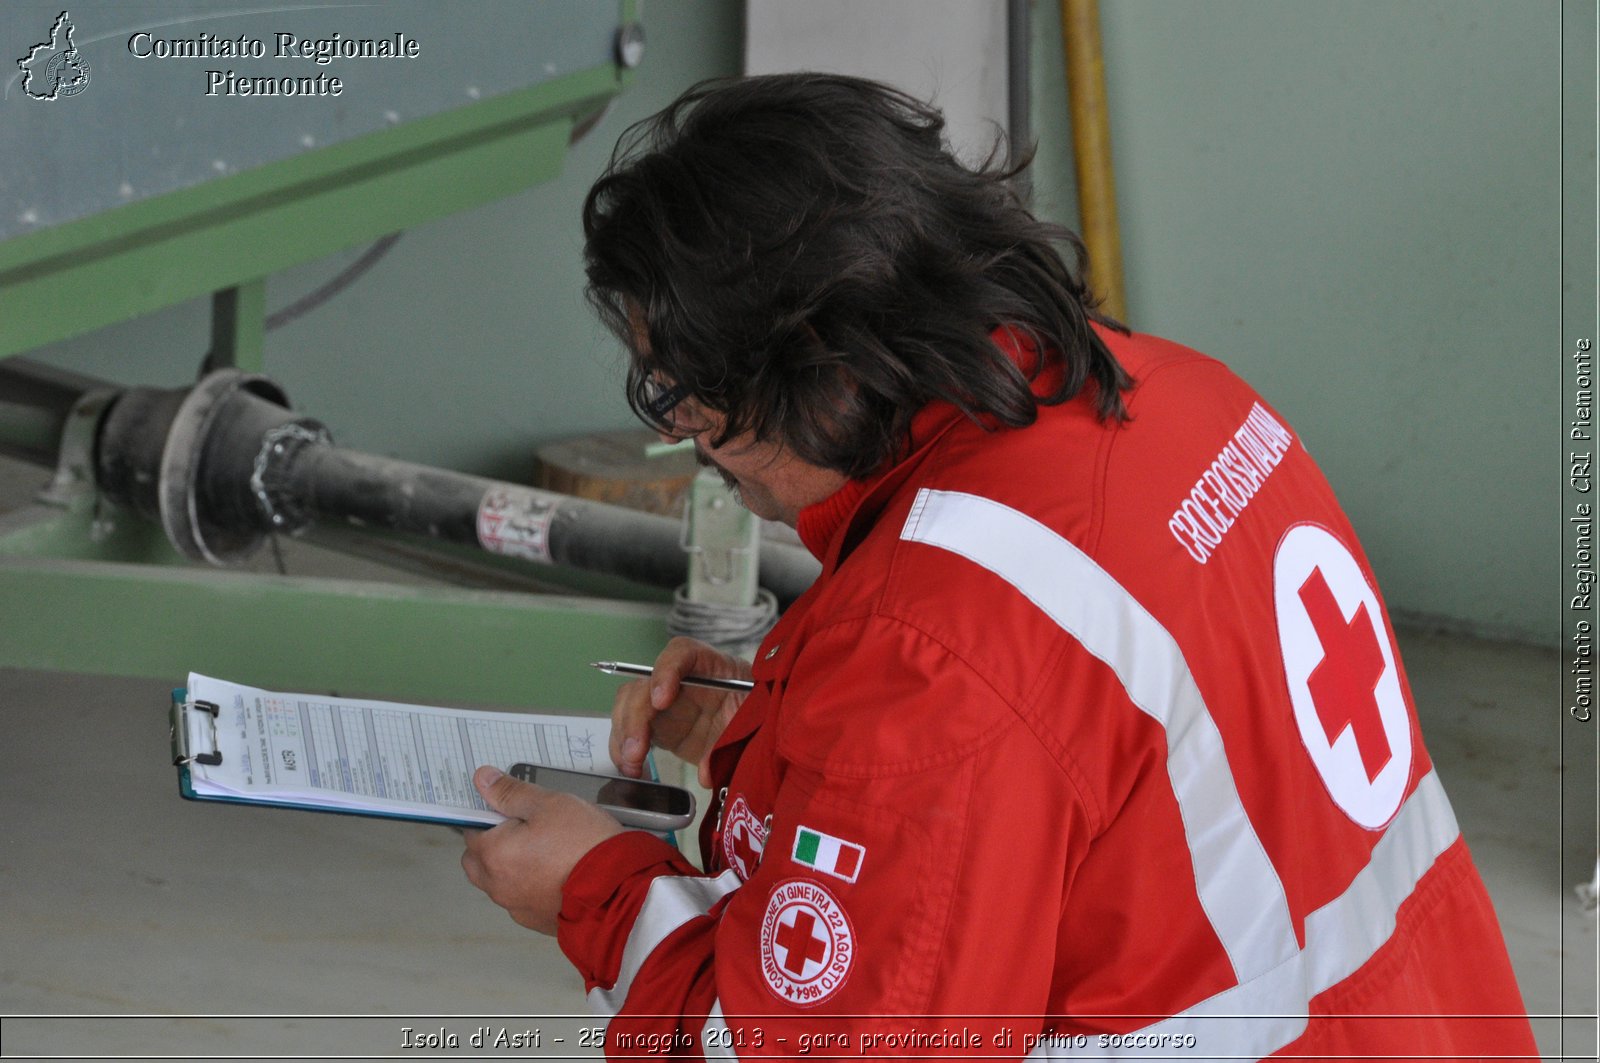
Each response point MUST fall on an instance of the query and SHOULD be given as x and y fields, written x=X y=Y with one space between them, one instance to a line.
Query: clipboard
x=186 y=750
x=214 y=762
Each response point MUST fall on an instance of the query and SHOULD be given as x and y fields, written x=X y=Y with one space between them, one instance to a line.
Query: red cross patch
x=807 y=943
x=1343 y=679
x=743 y=839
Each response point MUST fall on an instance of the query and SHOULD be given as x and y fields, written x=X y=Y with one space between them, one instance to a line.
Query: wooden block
x=619 y=468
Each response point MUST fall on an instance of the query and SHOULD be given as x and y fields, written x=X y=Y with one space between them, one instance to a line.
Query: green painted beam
x=79 y=534
x=418 y=644
x=76 y=277
x=118 y=600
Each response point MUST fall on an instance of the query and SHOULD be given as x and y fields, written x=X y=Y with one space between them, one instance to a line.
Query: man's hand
x=523 y=863
x=661 y=711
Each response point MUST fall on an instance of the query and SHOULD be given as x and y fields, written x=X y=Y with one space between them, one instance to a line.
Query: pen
x=623 y=668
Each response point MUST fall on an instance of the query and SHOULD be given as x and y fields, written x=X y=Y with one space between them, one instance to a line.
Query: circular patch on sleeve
x=1343 y=679
x=807 y=944
x=743 y=838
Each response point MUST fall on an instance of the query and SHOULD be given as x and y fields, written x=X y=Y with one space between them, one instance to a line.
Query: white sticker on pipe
x=515 y=524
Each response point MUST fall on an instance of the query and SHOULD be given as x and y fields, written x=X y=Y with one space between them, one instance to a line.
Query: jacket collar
x=822 y=524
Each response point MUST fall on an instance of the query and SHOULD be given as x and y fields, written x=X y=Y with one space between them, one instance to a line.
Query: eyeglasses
x=654 y=402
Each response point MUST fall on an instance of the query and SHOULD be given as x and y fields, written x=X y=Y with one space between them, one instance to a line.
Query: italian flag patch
x=825 y=853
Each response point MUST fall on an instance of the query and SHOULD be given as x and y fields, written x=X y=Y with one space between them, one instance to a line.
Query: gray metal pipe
x=35 y=400
x=29 y=430
x=224 y=464
x=369 y=491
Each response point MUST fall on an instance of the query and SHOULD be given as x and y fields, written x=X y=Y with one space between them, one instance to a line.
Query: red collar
x=820 y=523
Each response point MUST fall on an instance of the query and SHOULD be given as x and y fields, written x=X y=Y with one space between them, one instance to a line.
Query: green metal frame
x=418 y=644
x=239 y=327
x=87 y=589
x=72 y=278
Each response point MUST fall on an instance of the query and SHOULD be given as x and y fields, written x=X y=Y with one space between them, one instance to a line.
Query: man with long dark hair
x=1091 y=738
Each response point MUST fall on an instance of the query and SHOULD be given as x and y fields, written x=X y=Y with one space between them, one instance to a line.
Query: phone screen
x=615 y=793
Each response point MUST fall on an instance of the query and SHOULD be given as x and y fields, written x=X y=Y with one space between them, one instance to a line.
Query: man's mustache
x=705 y=462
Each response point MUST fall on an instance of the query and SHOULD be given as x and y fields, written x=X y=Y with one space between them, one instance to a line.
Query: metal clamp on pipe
x=185 y=457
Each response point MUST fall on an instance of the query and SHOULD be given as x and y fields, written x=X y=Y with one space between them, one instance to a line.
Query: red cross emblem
x=1343 y=680
x=800 y=942
x=807 y=943
x=745 y=848
x=1343 y=683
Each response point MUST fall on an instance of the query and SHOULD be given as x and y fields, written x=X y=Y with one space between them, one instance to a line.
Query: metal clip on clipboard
x=194 y=728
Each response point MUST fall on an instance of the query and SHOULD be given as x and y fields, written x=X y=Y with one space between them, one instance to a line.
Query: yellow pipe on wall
x=1091 y=149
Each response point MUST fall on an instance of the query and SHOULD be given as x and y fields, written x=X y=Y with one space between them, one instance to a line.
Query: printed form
x=376 y=756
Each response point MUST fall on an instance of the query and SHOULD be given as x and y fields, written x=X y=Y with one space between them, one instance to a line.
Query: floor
x=121 y=900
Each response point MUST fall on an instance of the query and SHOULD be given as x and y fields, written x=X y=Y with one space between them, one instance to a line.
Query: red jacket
x=1090 y=739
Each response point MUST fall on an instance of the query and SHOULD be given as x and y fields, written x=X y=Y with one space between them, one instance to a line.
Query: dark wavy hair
x=803 y=254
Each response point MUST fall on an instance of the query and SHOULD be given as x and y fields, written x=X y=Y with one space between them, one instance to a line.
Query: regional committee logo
x=55 y=69
x=1344 y=682
x=807 y=943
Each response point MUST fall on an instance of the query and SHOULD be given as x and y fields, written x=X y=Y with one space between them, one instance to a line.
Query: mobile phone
x=633 y=802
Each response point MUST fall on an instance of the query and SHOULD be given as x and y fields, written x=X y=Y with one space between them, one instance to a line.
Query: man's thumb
x=506 y=795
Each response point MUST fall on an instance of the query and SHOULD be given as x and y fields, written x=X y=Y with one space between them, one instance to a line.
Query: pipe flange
x=195 y=537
